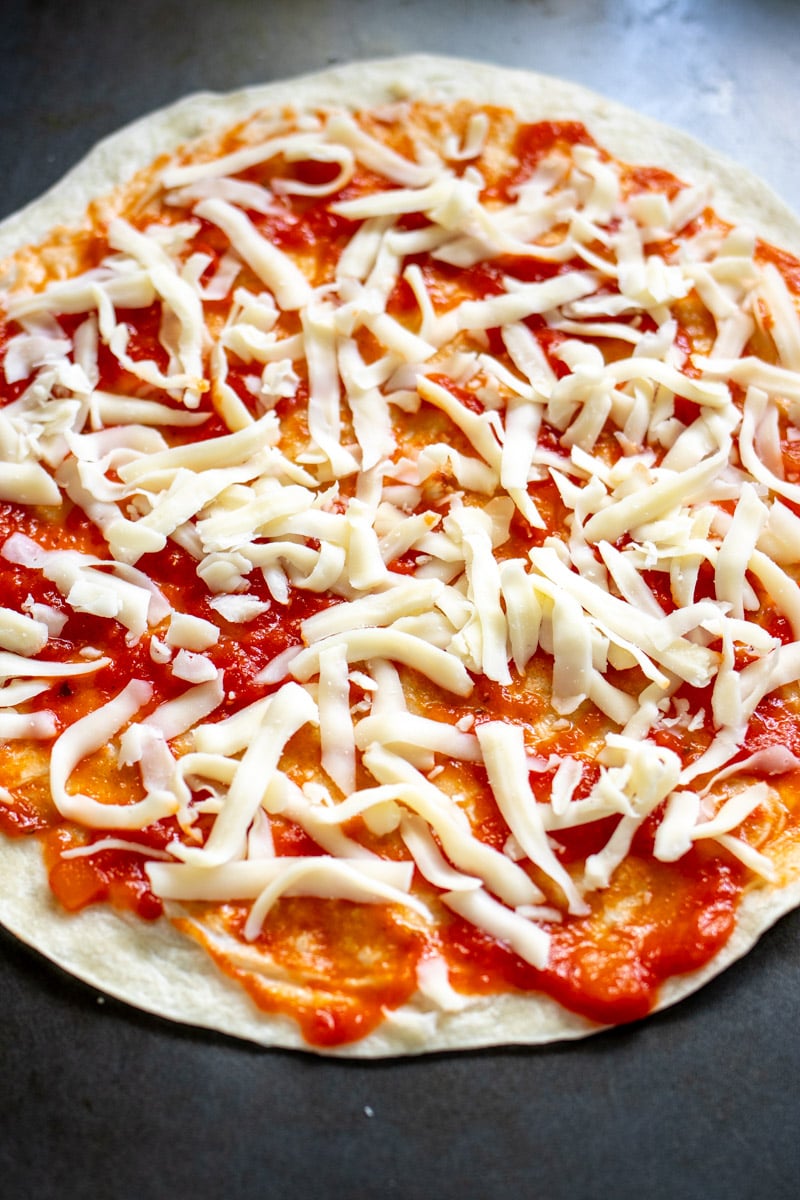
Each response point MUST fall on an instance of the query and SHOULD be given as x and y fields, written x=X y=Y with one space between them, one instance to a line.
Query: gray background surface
x=100 y=1101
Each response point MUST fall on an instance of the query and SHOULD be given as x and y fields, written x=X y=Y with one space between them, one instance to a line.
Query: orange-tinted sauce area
x=353 y=962
x=332 y=966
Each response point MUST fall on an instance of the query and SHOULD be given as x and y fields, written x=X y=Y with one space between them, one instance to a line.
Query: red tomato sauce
x=113 y=876
x=348 y=963
x=533 y=143
x=611 y=973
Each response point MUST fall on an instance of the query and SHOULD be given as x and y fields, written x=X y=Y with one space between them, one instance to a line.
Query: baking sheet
x=99 y=1100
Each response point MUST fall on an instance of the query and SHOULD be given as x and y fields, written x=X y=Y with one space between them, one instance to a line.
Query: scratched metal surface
x=98 y=1100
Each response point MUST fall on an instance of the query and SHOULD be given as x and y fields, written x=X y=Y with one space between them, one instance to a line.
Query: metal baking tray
x=97 y=1099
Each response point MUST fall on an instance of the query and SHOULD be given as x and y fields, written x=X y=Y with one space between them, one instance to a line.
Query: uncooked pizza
x=399 y=558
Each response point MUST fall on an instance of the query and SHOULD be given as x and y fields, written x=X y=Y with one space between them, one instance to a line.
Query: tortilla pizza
x=399 y=544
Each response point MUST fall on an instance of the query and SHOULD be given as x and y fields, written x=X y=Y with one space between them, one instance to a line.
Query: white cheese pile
x=646 y=494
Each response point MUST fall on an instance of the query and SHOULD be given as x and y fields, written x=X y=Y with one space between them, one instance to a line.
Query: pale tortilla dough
x=150 y=965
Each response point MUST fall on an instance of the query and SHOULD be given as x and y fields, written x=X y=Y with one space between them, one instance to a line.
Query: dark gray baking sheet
x=99 y=1101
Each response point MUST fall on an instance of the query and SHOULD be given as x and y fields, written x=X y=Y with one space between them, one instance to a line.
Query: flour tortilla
x=150 y=965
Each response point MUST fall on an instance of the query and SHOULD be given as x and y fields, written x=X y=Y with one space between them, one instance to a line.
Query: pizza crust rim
x=150 y=965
